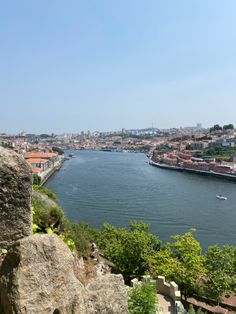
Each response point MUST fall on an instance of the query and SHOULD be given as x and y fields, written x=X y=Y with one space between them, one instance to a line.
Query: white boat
x=221 y=197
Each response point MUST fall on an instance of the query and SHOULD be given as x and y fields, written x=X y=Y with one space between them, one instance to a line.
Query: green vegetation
x=221 y=271
x=220 y=153
x=45 y=191
x=36 y=179
x=228 y=127
x=128 y=249
x=135 y=252
x=217 y=127
x=58 y=150
x=48 y=217
x=181 y=261
x=142 y=299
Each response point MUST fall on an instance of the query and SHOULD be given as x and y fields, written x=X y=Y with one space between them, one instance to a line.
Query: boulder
x=106 y=294
x=15 y=198
x=37 y=276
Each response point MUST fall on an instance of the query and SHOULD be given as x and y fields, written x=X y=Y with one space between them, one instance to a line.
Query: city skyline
x=108 y=65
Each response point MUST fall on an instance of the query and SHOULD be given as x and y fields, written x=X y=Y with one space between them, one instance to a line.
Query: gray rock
x=37 y=276
x=15 y=198
x=107 y=295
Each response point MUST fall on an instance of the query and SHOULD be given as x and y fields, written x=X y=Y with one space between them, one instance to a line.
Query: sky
x=73 y=65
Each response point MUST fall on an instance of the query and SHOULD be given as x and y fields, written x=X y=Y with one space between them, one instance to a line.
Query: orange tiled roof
x=36 y=170
x=35 y=154
x=36 y=160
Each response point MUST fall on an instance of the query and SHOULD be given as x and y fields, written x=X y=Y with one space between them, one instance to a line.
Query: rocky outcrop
x=37 y=276
x=15 y=198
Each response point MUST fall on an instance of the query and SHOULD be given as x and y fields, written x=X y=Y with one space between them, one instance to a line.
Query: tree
x=221 y=270
x=128 y=249
x=180 y=261
x=36 y=179
x=228 y=127
x=58 y=150
x=216 y=127
x=142 y=299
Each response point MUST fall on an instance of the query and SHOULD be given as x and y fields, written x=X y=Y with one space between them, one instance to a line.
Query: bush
x=81 y=234
x=45 y=216
x=143 y=299
x=128 y=249
x=45 y=191
x=36 y=179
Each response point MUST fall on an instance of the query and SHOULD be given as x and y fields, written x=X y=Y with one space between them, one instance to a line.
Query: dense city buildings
x=194 y=147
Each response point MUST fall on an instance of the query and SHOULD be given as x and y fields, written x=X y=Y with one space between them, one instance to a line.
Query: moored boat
x=221 y=197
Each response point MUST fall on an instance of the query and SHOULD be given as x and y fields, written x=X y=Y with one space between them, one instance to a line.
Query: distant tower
x=199 y=126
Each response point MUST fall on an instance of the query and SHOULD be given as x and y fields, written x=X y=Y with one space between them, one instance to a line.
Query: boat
x=221 y=197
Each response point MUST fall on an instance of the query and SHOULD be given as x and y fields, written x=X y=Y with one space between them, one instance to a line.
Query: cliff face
x=37 y=275
x=15 y=198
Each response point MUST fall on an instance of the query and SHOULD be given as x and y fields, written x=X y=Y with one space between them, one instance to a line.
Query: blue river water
x=98 y=187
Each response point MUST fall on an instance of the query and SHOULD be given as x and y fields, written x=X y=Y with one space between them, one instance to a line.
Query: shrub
x=36 y=179
x=45 y=191
x=143 y=299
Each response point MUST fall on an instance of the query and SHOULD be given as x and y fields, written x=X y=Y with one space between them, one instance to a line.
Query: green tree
x=180 y=261
x=128 y=249
x=36 y=179
x=228 y=127
x=142 y=299
x=216 y=127
x=58 y=150
x=221 y=270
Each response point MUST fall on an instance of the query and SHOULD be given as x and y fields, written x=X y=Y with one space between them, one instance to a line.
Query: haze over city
x=68 y=66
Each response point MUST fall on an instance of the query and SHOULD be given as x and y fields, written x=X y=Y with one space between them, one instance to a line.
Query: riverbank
x=50 y=171
x=225 y=176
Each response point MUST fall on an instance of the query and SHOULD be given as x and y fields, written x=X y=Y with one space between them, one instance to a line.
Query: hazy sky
x=72 y=65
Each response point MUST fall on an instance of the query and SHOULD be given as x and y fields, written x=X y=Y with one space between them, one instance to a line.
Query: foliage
x=142 y=299
x=221 y=270
x=216 y=127
x=81 y=234
x=36 y=179
x=180 y=261
x=220 y=152
x=228 y=127
x=45 y=216
x=45 y=191
x=128 y=249
x=58 y=150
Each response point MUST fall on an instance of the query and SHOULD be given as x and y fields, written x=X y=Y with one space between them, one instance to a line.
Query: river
x=98 y=187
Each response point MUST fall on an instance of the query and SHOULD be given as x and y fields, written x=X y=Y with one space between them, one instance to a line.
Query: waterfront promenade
x=45 y=175
x=226 y=176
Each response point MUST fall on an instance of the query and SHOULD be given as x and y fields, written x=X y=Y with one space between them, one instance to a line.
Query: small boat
x=221 y=197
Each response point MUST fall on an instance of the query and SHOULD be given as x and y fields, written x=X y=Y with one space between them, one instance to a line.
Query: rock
x=106 y=294
x=15 y=198
x=37 y=276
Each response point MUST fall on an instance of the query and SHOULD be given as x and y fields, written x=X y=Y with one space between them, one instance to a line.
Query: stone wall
x=15 y=198
x=170 y=290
